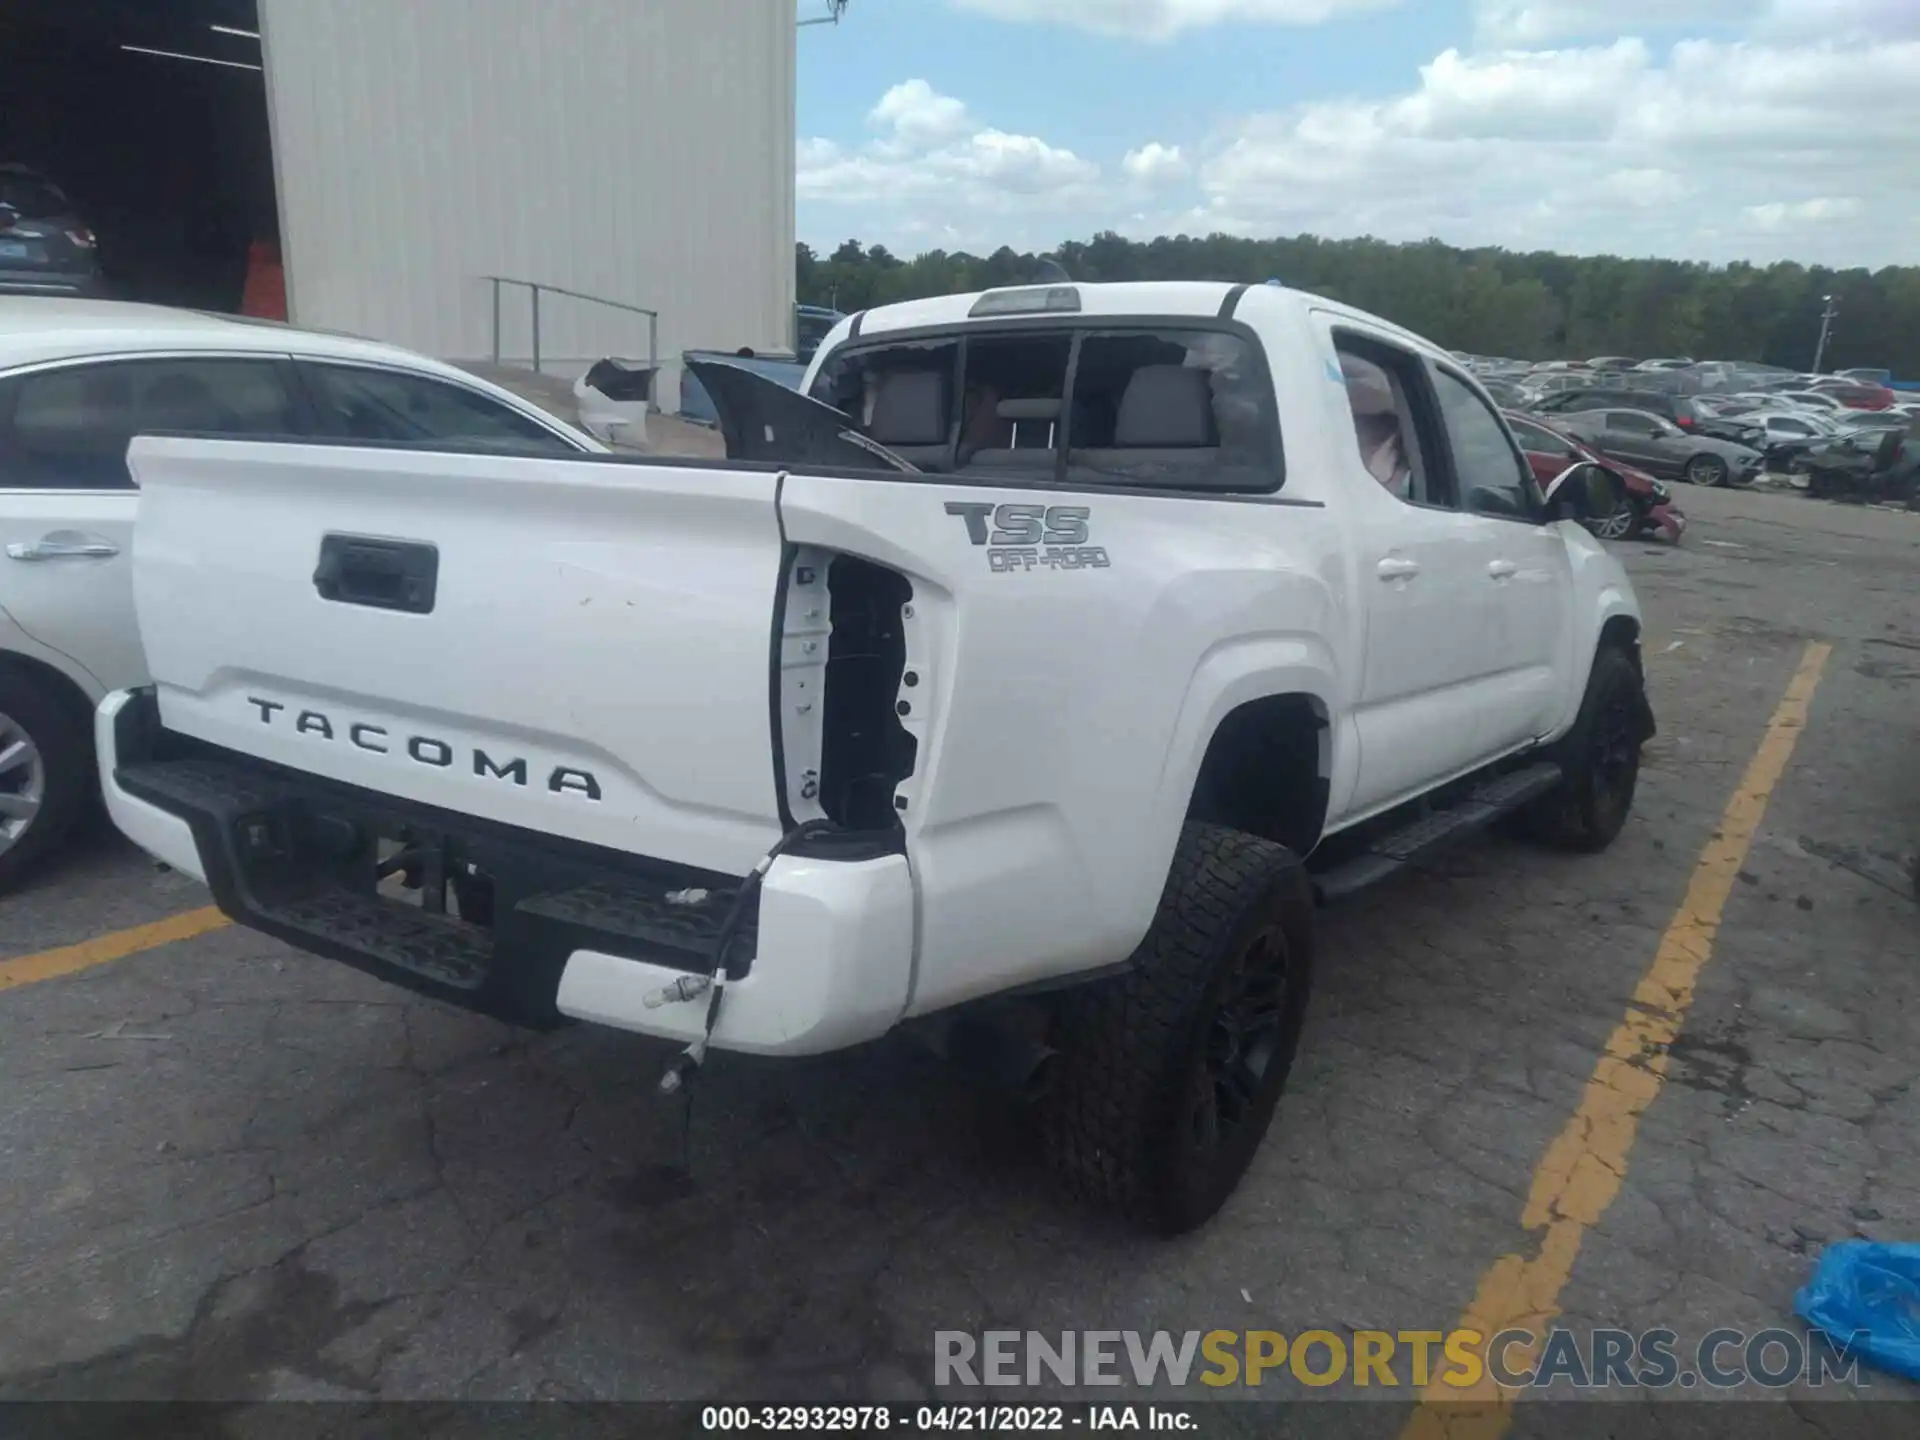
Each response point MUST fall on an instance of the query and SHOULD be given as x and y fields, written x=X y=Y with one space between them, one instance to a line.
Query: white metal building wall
x=640 y=150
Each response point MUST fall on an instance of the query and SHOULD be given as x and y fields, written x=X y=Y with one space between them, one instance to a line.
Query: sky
x=1694 y=129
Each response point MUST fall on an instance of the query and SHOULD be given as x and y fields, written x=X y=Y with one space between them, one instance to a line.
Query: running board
x=1398 y=849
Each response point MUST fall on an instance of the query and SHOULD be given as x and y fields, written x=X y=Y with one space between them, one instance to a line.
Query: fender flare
x=1227 y=676
x=1613 y=609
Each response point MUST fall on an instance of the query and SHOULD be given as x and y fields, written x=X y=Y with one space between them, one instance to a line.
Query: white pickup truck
x=1026 y=681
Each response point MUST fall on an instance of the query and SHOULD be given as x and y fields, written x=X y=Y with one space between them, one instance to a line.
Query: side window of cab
x=1397 y=436
x=1492 y=476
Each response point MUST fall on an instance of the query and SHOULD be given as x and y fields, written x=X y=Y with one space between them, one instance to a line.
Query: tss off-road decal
x=1030 y=537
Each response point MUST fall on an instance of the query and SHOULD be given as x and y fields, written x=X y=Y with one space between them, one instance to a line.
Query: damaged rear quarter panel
x=1066 y=707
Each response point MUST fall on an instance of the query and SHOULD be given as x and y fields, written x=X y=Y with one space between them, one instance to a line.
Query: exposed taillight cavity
x=846 y=694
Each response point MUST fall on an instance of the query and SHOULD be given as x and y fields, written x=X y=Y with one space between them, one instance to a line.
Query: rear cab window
x=1153 y=405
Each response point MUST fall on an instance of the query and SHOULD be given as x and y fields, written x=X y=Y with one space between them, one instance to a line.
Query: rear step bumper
x=578 y=932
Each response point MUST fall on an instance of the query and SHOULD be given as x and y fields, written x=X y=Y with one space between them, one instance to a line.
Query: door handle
x=1395 y=567
x=1502 y=569
x=48 y=548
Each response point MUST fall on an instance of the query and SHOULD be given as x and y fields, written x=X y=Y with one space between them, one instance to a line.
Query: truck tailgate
x=573 y=646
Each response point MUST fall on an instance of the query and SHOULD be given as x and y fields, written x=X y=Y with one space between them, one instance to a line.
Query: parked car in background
x=1866 y=375
x=1647 y=508
x=811 y=325
x=1667 y=382
x=1851 y=421
x=1723 y=376
x=1678 y=362
x=1661 y=447
x=1721 y=407
x=1812 y=400
x=1869 y=465
x=80 y=378
x=1789 y=425
x=1552 y=382
x=1787 y=434
x=46 y=247
x=1676 y=409
x=1756 y=401
x=1612 y=362
x=1853 y=395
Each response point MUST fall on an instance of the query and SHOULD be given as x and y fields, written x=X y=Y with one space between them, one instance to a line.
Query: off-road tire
x=66 y=761
x=1586 y=811
x=1123 y=1118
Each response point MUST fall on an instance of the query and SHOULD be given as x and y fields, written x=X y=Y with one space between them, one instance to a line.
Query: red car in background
x=1857 y=395
x=1648 y=509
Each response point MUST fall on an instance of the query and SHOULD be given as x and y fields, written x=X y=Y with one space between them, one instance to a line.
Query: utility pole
x=1826 y=328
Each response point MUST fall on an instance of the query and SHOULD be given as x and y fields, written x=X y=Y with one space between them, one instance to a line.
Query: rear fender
x=1231 y=675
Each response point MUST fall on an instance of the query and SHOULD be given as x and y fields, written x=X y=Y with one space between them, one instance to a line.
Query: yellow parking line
x=1581 y=1172
x=49 y=964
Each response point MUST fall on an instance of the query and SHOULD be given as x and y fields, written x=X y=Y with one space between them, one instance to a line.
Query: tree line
x=1535 y=305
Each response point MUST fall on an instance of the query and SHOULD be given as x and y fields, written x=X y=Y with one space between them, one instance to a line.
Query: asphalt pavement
x=232 y=1171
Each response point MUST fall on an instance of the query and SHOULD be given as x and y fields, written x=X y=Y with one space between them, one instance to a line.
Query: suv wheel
x=44 y=773
x=1707 y=470
x=1169 y=1075
x=1600 y=757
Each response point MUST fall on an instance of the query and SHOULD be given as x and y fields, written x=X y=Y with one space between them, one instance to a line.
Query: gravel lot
x=229 y=1170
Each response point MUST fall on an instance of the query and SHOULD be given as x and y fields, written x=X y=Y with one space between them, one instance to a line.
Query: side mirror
x=1585 y=492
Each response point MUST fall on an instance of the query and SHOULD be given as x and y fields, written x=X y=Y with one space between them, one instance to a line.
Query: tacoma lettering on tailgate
x=428 y=750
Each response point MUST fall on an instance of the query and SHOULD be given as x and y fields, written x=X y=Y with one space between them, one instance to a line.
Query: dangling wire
x=714 y=982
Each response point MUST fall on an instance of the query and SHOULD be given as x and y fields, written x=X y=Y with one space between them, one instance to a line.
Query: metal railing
x=535 y=291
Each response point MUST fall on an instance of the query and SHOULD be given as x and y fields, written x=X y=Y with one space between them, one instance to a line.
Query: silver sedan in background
x=1663 y=448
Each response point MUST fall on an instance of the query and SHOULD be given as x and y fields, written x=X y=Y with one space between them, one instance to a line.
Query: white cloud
x=1536 y=22
x=1779 y=215
x=936 y=176
x=1842 y=19
x=1521 y=23
x=1713 y=150
x=1646 y=188
x=1164 y=19
x=1790 y=137
x=917 y=114
x=1154 y=163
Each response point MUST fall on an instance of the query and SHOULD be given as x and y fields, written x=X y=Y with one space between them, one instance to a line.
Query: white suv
x=78 y=378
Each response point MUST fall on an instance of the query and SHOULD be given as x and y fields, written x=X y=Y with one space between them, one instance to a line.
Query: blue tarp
x=1866 y=1297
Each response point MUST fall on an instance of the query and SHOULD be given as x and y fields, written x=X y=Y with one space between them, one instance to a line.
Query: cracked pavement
x=232 y=1171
